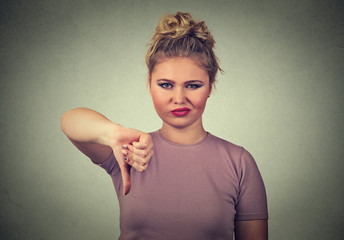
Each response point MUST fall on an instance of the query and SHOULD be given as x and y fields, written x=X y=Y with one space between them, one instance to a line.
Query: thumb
x=125 y=171
x=144 y=141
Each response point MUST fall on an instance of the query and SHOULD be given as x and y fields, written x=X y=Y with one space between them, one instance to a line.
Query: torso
x=187 y=190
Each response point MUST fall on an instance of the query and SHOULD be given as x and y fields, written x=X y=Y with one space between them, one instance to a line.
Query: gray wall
x=281 y=97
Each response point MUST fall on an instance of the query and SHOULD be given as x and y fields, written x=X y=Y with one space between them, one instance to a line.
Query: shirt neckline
x=182 y=145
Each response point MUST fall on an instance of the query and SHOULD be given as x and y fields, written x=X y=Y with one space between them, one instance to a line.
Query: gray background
x=281 y=98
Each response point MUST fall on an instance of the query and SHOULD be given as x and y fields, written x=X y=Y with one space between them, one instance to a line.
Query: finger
x=146 y=139
x=141 y=152
x=127 y=157
x=125 y=171
x=135 y=151
x=142 y=160
x=140 y=164
x=131 y=158
x=136 y=161
x=128 y=147
x=141 y=149
x=138 y=167
x=148 y=157
x=140 y=145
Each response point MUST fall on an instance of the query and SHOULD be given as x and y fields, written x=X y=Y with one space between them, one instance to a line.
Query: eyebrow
x=187 y=82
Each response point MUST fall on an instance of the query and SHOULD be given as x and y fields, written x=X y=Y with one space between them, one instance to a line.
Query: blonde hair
x=180 y=35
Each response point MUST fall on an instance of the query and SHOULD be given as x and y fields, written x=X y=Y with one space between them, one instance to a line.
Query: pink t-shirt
x=190 y=191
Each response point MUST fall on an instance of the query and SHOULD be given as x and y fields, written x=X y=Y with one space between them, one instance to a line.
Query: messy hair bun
x=182 y=25
x=180 y=35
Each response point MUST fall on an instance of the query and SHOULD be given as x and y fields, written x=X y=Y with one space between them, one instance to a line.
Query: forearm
x=88 y=126
x=96 y=136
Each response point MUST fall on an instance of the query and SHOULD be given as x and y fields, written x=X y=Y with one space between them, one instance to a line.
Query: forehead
x=179 y=69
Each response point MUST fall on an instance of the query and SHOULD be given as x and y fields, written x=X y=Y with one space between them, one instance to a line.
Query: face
x=179 y=89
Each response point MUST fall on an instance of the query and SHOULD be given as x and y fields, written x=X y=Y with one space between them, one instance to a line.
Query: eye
x=194 y=86
x=165 y=85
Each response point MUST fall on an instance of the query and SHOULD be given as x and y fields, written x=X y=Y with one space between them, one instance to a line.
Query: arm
x=251 y=230
x=251 y=202
x=96 y=136
x=90 y=132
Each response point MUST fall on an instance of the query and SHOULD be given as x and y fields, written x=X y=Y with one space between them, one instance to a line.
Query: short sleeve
x=110 y=165
x=252 y=201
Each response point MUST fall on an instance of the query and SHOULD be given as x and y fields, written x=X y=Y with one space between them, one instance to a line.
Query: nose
x=179 y=96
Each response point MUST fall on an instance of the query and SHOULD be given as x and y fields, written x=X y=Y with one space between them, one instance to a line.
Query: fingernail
x=124 y=152
x=125 y=146
x=125 y=158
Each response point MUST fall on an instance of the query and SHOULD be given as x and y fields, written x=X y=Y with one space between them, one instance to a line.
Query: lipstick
x=180 y=112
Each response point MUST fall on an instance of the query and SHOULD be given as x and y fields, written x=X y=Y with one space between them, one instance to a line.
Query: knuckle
x=137 y=167
x=144 y=162
x=144 y=153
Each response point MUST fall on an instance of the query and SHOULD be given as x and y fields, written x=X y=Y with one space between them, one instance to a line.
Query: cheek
x=159 y=100
x=200 y=101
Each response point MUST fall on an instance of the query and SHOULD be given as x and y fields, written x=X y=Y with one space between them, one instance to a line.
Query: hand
x=132 y=149
x=139 y=153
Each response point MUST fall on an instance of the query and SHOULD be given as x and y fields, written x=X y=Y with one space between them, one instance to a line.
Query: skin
x=177 y=83
x=96 y=136
x=174 y=83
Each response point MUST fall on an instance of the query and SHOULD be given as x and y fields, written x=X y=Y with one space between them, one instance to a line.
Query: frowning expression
x=180 y=89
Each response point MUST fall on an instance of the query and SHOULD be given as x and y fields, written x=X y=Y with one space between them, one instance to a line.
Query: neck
x=190 y=135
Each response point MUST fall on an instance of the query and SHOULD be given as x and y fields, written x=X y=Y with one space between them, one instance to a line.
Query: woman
x=195 y=185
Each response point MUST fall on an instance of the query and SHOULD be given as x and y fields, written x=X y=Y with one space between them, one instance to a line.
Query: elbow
x=63 y=120
x=68 y=119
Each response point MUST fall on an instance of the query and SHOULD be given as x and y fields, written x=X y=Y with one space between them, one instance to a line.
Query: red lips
x=180 y=112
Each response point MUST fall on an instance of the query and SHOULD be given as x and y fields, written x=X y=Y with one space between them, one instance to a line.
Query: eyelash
x=194 y=86
x=169 y=85
x=165 y=85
